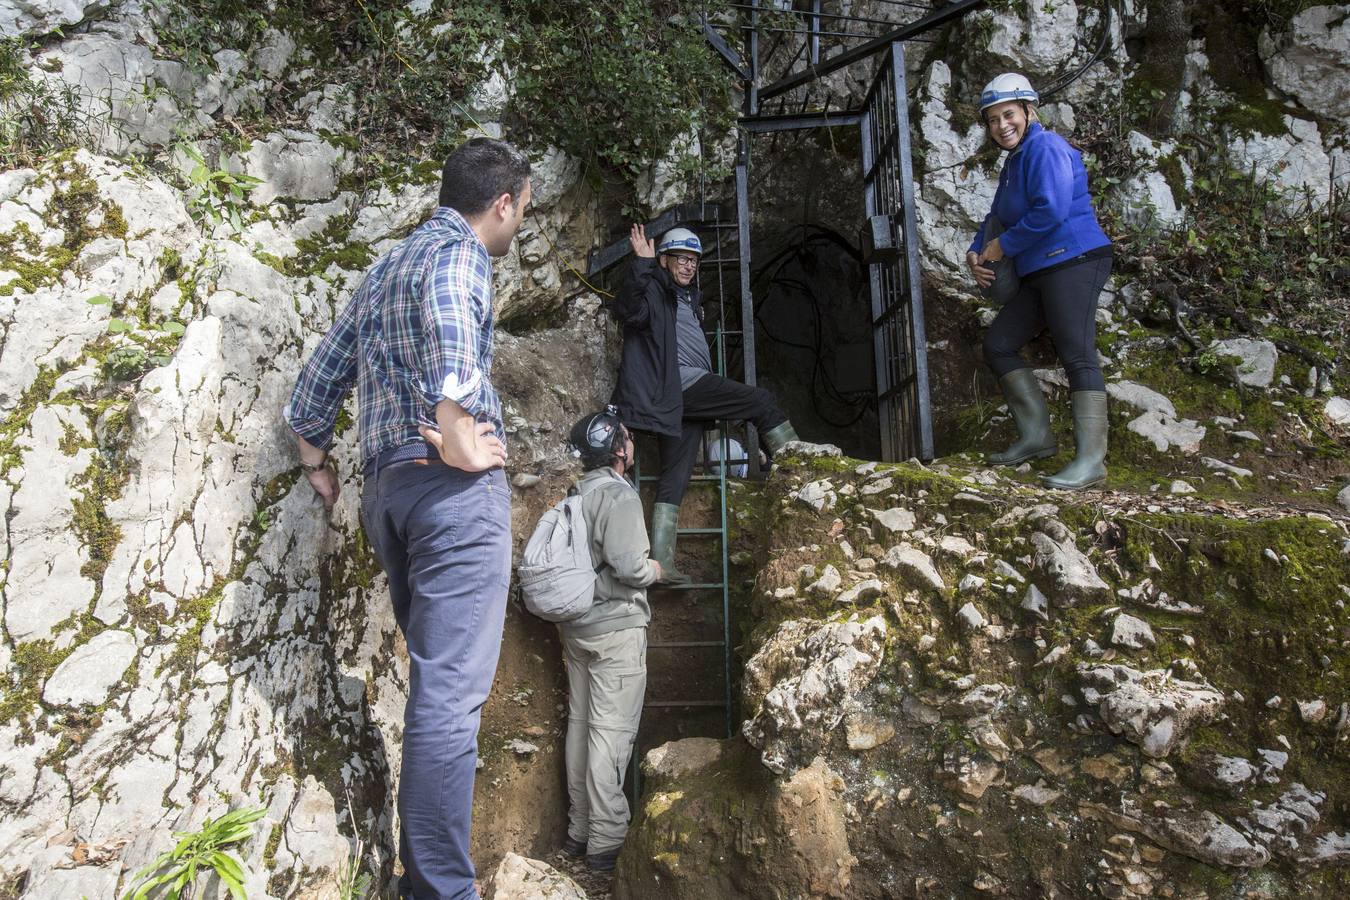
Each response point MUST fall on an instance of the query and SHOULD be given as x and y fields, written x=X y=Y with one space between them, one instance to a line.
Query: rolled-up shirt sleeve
x=455 y=310
x=326 y=378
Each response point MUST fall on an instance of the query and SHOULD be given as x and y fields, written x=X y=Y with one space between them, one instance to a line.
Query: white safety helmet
x=1008 y=86
x=680 y=239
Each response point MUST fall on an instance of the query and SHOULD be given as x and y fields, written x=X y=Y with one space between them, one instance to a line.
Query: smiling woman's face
x=1007 y=122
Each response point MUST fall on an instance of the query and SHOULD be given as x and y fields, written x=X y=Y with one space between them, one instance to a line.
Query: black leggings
x=1065 y=300
x=711 y=397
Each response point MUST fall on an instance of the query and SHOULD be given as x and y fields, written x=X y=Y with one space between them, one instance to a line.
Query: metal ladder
x=715 y=591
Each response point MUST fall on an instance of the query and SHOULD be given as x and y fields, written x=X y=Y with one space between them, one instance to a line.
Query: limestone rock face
x=168 y=565
x=293 y=165
x=1309 y=60
x=1151 y=709
x=88 y=674
x=1295 y=162
x=1147 y=198
x=37 y=17
x=801 y=684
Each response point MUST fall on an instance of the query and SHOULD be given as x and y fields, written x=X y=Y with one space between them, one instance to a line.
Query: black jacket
x=648 y=392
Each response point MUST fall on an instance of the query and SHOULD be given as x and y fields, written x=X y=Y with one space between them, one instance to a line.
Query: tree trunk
x=1162 y=63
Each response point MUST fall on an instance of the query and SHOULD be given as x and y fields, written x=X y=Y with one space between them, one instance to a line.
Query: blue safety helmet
x=680 y=239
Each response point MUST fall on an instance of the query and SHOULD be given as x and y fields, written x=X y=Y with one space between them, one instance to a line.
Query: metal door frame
x=904 y=408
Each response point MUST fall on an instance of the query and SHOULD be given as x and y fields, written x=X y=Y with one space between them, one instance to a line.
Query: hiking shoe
x=573 y=847
x=602 y=862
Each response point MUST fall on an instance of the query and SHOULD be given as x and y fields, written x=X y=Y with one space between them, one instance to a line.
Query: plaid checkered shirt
x=418 y=330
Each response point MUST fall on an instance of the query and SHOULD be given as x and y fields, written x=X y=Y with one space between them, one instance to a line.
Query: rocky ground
x=959 y=684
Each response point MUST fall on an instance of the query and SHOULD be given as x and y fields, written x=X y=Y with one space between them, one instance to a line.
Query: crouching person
x=605 y=650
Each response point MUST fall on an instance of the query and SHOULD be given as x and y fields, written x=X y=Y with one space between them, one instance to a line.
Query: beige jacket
x=618 y=535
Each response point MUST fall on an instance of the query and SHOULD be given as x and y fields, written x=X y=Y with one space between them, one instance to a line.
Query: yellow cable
x=571 y=268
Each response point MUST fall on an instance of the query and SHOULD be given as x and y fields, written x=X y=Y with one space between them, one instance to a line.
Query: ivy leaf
x=99 y=300
x=173 y=327
x=117 y=326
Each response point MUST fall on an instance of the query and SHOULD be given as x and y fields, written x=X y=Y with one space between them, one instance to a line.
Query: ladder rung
x=684 y=703
x=698 y=531
x=704 y=586
x=657 y=645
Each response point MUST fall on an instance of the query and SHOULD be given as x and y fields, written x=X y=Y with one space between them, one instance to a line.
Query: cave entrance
x=814 y=333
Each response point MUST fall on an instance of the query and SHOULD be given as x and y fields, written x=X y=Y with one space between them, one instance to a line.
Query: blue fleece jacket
x=1043 y=203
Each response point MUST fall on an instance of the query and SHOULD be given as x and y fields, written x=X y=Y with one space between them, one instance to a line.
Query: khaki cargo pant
x=606 y=680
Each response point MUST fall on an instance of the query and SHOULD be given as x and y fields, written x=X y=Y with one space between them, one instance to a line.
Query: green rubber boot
x=1035 y=440
x=778 y=435
x=1089 y=436
x=664 y=516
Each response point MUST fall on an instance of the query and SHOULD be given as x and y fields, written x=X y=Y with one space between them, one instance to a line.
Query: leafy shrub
x=37 y=116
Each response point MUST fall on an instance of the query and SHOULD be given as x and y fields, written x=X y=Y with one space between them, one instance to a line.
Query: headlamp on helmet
x=680 y=239
x=598 y=438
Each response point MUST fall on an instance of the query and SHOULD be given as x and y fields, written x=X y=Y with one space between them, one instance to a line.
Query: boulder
x=907 y=559
x=894 y=520
x=1073 y=578
x=1131 y=633
x=1166 y=433
x=819 y=495
x=676 y=759
x=518 y=878
x=1337 y=411
x=1255 y=359
x=812 y=673
x=1151 y=709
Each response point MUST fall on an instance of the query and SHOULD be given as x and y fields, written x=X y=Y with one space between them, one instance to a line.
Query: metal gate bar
x=899 y=339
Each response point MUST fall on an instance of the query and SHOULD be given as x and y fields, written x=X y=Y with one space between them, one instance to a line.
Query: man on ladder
x=666 y=384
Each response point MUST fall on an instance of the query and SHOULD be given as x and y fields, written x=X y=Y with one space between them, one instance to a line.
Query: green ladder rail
x=719 y=477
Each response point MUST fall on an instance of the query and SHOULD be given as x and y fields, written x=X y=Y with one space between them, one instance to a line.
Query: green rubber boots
x=1035 y=440
x=1090 y=426
x=664 y=517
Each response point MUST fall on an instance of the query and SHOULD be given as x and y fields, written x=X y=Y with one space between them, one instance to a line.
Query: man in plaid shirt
x=416 y=340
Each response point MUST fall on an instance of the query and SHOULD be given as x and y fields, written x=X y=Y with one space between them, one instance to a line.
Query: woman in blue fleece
x=1063 y=258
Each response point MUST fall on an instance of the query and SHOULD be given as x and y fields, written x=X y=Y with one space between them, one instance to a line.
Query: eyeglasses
x=686 y=262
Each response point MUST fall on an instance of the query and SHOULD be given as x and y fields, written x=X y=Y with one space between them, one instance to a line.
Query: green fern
x=173 y=874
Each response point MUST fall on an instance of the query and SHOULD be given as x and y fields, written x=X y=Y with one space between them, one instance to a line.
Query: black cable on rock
x=1064 y=82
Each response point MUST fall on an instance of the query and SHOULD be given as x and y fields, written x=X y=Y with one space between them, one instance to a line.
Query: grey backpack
x=557 y=579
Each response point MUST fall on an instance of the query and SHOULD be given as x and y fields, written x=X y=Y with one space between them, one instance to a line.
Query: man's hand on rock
x=325 y=484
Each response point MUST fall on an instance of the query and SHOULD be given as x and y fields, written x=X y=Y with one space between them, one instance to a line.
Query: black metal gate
x=897 y=298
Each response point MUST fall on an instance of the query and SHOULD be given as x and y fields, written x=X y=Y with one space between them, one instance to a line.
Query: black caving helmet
x=598 y=438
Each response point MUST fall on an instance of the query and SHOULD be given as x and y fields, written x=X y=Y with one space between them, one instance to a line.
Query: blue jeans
x=443 y=537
